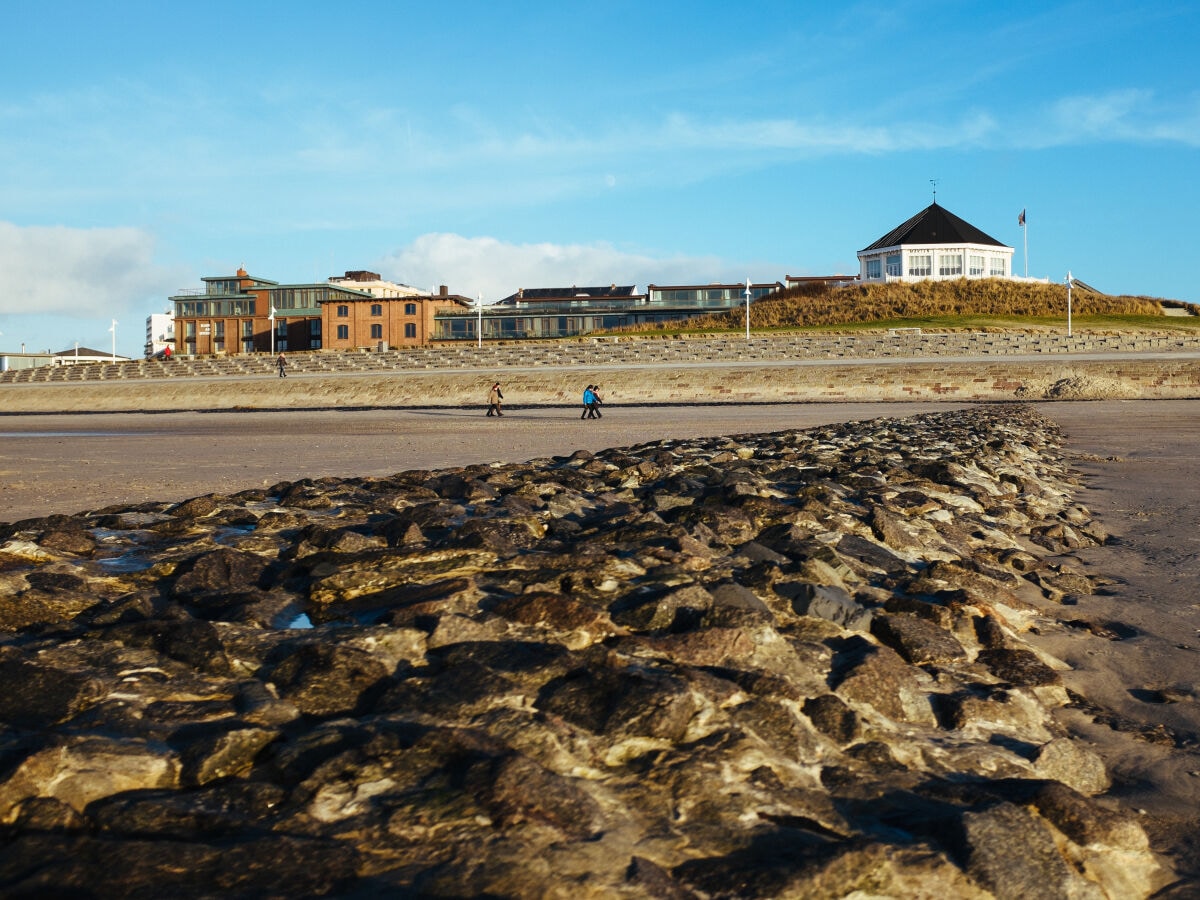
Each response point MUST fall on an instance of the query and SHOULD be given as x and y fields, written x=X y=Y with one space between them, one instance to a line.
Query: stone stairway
x=615 y=351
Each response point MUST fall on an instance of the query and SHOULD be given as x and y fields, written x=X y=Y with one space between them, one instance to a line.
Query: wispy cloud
x=1124 y=116
x=495 y=269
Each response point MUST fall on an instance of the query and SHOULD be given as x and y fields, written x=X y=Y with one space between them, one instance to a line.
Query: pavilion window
x=975 y=265
x=950 y=264
x=920 y=264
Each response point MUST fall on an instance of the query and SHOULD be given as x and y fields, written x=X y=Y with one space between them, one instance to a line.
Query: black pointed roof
x=933 y=225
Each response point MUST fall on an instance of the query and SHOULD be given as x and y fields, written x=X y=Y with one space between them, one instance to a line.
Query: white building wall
x=913 y=257
x=160 y=333
x=379 y=288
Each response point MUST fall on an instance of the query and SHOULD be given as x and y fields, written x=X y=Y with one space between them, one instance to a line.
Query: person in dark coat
x=494 y=400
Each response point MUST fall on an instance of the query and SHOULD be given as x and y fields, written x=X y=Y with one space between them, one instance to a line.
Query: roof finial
x=934 y=182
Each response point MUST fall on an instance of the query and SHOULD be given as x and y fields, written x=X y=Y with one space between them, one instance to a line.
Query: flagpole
x=1025 y=239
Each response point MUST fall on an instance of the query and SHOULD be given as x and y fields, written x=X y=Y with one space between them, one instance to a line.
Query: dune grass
x=970 y=304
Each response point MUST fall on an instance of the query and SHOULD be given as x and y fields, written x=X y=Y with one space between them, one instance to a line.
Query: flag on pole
x=1021 y=219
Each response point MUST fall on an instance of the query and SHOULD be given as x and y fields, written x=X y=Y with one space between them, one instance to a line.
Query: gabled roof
x=933 y=225
x=568 y=293
x=86 y=351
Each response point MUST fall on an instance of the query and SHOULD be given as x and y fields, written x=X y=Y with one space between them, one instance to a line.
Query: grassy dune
x=975 y=303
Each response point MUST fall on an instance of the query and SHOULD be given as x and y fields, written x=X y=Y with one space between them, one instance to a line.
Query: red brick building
x=241 y=313
x=374 y=322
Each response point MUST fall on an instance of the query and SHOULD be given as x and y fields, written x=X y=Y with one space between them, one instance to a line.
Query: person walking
x=281 y=362
x=596 y=401
x=588 y=399
x=495 y=397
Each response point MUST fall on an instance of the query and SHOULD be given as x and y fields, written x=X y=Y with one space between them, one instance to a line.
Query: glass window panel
x=950 y=264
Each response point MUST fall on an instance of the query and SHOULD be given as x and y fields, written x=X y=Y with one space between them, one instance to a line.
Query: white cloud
x=78 y=272
x=483 y=265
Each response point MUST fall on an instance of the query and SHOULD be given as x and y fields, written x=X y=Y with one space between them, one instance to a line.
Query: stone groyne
x=790 y=664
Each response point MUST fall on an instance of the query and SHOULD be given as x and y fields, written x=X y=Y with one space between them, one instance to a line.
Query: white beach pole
x=1069 y=279
x=113 y=329
x=747 y=309
x=479 y=325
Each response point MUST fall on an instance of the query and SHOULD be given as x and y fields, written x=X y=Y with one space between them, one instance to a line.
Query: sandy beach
x=1132 y=648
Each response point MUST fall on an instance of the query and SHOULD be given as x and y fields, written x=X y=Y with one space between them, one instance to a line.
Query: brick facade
x=384 y=321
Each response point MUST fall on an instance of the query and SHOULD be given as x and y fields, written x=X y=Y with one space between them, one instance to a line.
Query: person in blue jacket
x=589 y=400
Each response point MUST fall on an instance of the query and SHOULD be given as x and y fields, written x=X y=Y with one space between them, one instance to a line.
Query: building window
x=248 y=346
x=997 y=267
x=219 y=336
x=314 y=328
x=343 y=311
x=894 y=268
x=949 y=263
x=343 y=332
x=874 y=268
x=377 y=309
x=376 y=332
x=410 y=330
x=247 y=328
x=919 y=265
x=975 y=265
x=410 y=309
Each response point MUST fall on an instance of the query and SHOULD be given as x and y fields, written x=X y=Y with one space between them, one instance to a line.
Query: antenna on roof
x=934 y=182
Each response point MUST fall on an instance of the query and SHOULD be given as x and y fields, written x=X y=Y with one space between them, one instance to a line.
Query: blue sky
x=490 y=146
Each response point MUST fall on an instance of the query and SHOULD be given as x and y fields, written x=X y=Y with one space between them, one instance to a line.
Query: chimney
x=443 y=291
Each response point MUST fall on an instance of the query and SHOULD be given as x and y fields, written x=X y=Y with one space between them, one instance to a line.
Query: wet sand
x=1134 y=648
x=72 y=463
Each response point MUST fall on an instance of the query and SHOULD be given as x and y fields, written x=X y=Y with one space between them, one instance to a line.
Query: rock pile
x=753 y=666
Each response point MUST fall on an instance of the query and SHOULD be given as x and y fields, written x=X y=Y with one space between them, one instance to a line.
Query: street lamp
x=113 y=329
x=1069 y=280
x=747 y=309
x=271 y=326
